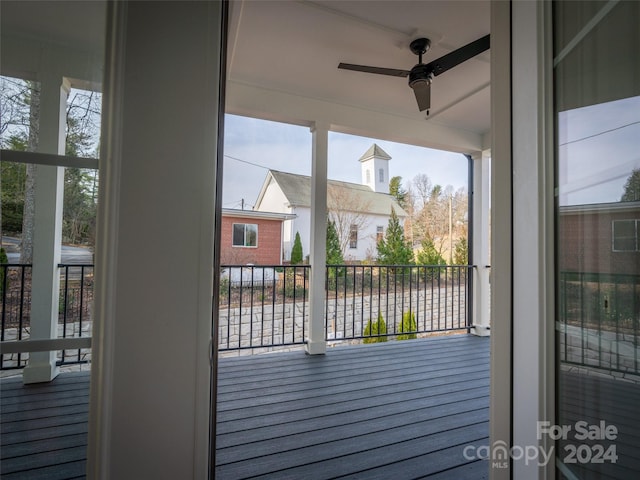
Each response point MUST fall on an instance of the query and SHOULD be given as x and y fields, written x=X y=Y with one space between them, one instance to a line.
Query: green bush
x=408 y=325
x=376 y=330
x=291 y=286
x=224 y=286
x=296 y=251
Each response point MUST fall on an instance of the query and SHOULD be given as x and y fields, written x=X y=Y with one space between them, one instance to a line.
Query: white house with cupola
x=361 y=212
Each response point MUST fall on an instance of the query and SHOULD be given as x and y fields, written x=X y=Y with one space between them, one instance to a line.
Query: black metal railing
x=268 y=306
x=373 y=302
x=74 y=310
x=599 y=316
x=262 y=306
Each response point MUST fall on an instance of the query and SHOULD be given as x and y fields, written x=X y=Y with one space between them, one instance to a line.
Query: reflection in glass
x=597 y=113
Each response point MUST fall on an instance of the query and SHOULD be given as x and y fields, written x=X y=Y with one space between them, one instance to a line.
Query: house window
x=368 y=176
x=379 y=233
x=353 y=236
x=245 y=235
x=625 y=235
x=381 y=175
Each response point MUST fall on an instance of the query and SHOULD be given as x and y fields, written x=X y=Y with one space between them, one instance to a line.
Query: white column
x=318 y=256
x=481 y=208
x=500 y=403
x=533 y=305
x=150 y=376
x=47 y=233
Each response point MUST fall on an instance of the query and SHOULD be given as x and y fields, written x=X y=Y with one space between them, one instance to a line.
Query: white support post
x=151 y=389
x=316 y=344
x=47 y=234
x=481 y=285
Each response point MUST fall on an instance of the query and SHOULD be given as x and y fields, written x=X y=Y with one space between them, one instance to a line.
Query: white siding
x=274 y=200
x=367 y=238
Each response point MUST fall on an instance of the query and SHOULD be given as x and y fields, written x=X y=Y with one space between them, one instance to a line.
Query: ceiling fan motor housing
x=421 y=73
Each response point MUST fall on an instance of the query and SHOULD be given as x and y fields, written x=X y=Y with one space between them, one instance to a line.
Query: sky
x=598 y=151
x=253 y=146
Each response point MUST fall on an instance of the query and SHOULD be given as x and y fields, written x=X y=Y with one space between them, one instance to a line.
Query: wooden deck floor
x=392 y=410
x=396 y=410
x=43 y=428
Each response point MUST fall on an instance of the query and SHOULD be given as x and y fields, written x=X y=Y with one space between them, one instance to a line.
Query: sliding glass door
x=597 y=134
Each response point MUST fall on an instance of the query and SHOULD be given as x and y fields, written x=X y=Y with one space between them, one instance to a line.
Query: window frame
x=613 y=234
x=245 y=235
x=353 y=236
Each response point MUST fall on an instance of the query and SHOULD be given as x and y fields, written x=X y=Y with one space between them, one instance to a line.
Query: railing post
x=47 y=233
x=316 y=343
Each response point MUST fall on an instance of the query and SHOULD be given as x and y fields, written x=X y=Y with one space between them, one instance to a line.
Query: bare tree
x=346 y=209
x=20 y=103
x=437 y=214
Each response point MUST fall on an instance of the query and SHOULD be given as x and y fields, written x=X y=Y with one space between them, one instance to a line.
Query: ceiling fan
x=420 y=76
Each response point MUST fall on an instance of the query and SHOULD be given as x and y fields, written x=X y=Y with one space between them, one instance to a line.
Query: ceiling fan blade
x=422 y=91
x=378 y=70
x=458 y=56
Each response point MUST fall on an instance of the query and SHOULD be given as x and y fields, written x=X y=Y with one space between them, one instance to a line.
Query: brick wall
x=269 y=243
x=585 y=243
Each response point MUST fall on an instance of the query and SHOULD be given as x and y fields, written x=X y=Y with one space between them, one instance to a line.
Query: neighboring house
x=612 y=230
x=250 y=237
x=361 y=211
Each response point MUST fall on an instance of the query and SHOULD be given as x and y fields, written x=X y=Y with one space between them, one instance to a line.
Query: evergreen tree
x=461 y=252
x=632 y=187
x=296 y=251
x=393 y=249
x=334 y=252
x=408 y=327
x=428 y=254
x=396 y=191
x=334 y=255
x=375 y=331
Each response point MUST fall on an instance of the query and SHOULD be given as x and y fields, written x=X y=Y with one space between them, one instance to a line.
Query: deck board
x=389 y=410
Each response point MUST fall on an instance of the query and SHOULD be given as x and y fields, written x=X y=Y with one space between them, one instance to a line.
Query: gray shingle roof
x=375 y=151
x=297 y=189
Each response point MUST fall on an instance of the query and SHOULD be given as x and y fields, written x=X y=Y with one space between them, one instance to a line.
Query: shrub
x=224 y=286
x=430 y=258
x=291 y=286
x=461 y=252
x=408 y=325
x=296 y=251
x=376 y=330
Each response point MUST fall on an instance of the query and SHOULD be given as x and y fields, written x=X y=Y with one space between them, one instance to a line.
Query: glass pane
x=19 y=114
x=597 y=114
x=624 y=235
x=238 y=234
x=251 y=235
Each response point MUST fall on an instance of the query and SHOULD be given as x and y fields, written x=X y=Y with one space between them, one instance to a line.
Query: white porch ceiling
x=283 y=58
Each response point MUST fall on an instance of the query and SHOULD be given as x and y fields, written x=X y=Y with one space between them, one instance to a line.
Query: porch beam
x=316 y=344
